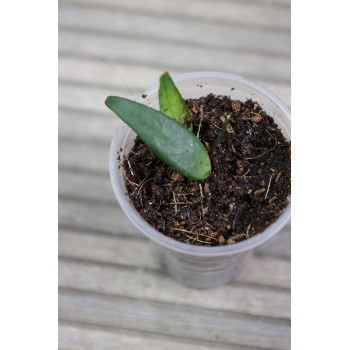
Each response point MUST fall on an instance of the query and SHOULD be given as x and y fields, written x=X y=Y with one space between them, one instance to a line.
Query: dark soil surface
x=247 y=190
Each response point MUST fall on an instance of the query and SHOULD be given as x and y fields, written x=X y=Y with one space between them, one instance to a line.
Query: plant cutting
x=248 y=166
x=207 y=175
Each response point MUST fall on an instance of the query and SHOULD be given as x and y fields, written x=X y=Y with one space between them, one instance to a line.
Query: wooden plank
x=82 y=73
x=90 y=99
x=175 y=320
x=86 y=126
x=84 y=186
x=85 y=337
x=263 y=270
x=267 y=270
x=279 y=246
x=94 y=216
x=170 y=56
x=94 y=72
x=91 y=246
x=155 y=286
x=84 y=156
x=261 y=14
x=215 y=35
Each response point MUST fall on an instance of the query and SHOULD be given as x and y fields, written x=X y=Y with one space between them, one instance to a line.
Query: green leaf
x=171 y=102
x=170 y=141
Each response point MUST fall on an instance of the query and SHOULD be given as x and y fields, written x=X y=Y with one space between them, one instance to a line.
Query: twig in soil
x=201 y=192
x=223 y=104
x=238 y=140
x=268 y=187
x=245 y=173
x=221 y=133
x=194 y=233
x=215 y=125
x=248 y=176
x=160 y=204
x=278 y=177
x=272 y=199
x=138 y=185
x=273 y=136
x=130 y=182
x=255 y=113
x=200 y=123
x=260 y=191
x=198 y=240
x=256 y=147
x=185 y=194
x=175 y=202
x=246 y=235
x=139 y=193
x=141 y=185
x=132 y=173
x=260 y=155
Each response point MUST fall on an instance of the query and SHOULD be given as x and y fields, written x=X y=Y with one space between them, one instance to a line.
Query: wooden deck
x=112 y=292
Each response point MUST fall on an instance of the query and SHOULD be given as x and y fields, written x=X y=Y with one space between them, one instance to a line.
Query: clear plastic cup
x=198 y=266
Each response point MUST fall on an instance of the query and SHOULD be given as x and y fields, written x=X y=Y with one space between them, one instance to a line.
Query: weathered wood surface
x=112 y=291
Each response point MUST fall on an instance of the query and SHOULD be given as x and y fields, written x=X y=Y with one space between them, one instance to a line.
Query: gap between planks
x=76 y=335
x=272 y=68
x=149 y=285
x=217 y=37
x=191 y=309
x=173 y=43
x=152 y=70
x=82 y=308
x=83 y=69
x=229 y=13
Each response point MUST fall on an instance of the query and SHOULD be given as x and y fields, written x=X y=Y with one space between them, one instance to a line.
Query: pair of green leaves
x=168 y=132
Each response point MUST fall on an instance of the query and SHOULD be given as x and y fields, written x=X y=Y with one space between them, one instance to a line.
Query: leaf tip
x=108 y=100
x=165 y=75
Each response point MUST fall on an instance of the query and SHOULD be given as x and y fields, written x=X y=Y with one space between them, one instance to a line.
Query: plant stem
x=221 y=134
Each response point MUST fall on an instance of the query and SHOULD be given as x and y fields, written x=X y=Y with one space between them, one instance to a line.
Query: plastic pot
x=198 y=266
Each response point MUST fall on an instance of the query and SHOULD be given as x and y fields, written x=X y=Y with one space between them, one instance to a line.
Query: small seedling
x=168 y=132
